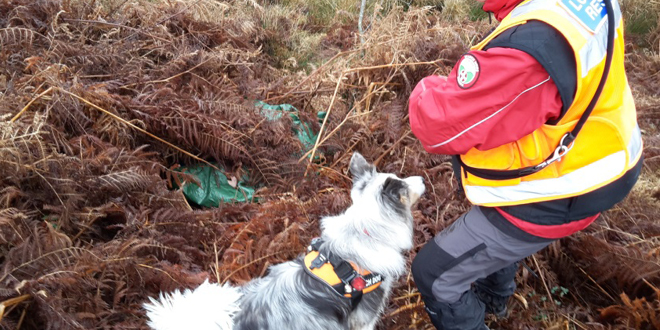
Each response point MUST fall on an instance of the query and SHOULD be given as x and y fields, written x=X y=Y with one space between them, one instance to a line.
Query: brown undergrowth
x=102 y=101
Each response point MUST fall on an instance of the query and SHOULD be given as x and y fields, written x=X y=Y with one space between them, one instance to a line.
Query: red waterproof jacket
x=450 y=119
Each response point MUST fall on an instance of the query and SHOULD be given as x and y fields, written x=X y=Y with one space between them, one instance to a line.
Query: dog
x=361 y=249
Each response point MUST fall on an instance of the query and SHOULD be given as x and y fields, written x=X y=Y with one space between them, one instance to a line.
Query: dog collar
x=339 y=274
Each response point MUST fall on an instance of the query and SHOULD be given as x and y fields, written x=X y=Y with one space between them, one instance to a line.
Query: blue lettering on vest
x=591 y=13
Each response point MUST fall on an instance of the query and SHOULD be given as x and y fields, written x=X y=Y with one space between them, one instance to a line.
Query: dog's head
x=389 y=191
x=384 y=199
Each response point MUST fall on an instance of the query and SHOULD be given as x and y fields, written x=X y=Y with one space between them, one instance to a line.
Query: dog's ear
x=395 y=192
x=359 y=166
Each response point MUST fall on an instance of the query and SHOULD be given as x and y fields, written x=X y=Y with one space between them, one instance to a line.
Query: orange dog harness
x=339 y=274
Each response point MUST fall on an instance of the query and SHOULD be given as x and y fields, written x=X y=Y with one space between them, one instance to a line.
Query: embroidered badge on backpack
x=468 y=71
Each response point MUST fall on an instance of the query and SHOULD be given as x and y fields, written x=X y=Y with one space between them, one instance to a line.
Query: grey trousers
x=469 y=251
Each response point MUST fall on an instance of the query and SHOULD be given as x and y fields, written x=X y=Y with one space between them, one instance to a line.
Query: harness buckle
x=315 y=244
x=319 y=261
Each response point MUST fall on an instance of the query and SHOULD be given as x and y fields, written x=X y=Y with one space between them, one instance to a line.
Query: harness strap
x=339 y=274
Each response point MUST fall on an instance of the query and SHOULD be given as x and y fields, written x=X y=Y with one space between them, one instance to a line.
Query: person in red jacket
x=523 y=79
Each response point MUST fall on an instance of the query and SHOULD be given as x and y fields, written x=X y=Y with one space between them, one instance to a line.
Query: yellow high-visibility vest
x=608 y=145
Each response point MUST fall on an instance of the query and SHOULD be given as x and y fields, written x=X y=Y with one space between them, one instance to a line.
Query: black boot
x=465 y=314
x=494 y=290
x=495 y=305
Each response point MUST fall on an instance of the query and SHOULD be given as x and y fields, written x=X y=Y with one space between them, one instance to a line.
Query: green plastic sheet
x=215 y=188
x=302 y=130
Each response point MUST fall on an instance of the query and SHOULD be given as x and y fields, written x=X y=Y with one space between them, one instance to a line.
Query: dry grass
x=642 y=18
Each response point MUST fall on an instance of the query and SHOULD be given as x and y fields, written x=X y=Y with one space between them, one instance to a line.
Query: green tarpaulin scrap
x=215 y=188
x=304 y=133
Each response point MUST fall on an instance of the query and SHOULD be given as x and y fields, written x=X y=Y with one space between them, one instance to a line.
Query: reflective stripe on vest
x=596 y=174
x=610 y=142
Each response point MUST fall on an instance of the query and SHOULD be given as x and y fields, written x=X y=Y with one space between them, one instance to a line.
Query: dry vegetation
x=101 y=101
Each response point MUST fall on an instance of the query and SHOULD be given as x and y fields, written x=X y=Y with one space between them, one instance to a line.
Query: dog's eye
x=395 y=191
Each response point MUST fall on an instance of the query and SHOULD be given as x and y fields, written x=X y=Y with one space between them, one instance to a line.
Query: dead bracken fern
x=20 y=36
x=637 y=313
x=102 y=102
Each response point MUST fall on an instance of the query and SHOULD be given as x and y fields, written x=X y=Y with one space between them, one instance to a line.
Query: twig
x=391 y=65
x=391 y=148
x=30 y=103
x=217 y=262
x=545 y=285
x=334 y=97
x=348 y=116
x=251 y=263
x=308 y=77
x=160 y=270
x=325 y=121
x=589 y=277
x=405 y=308
x=370 y=92
x=574 y=321
x=20 y=320
x=116 y=25
x=11 y=302
x=139 y=129
x=170 y=78
x=407 y=296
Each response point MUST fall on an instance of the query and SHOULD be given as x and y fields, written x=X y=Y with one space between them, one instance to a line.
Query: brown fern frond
x=124 y=181
x=18 y=35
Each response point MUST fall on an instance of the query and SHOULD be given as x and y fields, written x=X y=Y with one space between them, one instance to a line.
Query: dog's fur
x=373 y=233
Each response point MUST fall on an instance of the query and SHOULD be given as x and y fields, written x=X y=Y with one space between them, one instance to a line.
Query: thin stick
x=391 y=148
x=162 y=271
x=596 y=283
x=542 y=278
x=348 y=116
x=217 y=262
x=405 y=308
x=252 y=263
x=12 y=302
x=20 y=320
x=391 y=65
x=116 y=25
x=361 y=17
x=138 y=128
x=308 y=77
x=325 y=121
x=30 y=103
x=334 y=96
x=172 y=77
x=574 y=321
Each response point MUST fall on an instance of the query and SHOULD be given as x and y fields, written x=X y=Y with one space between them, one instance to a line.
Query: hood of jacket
x=500 y=8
